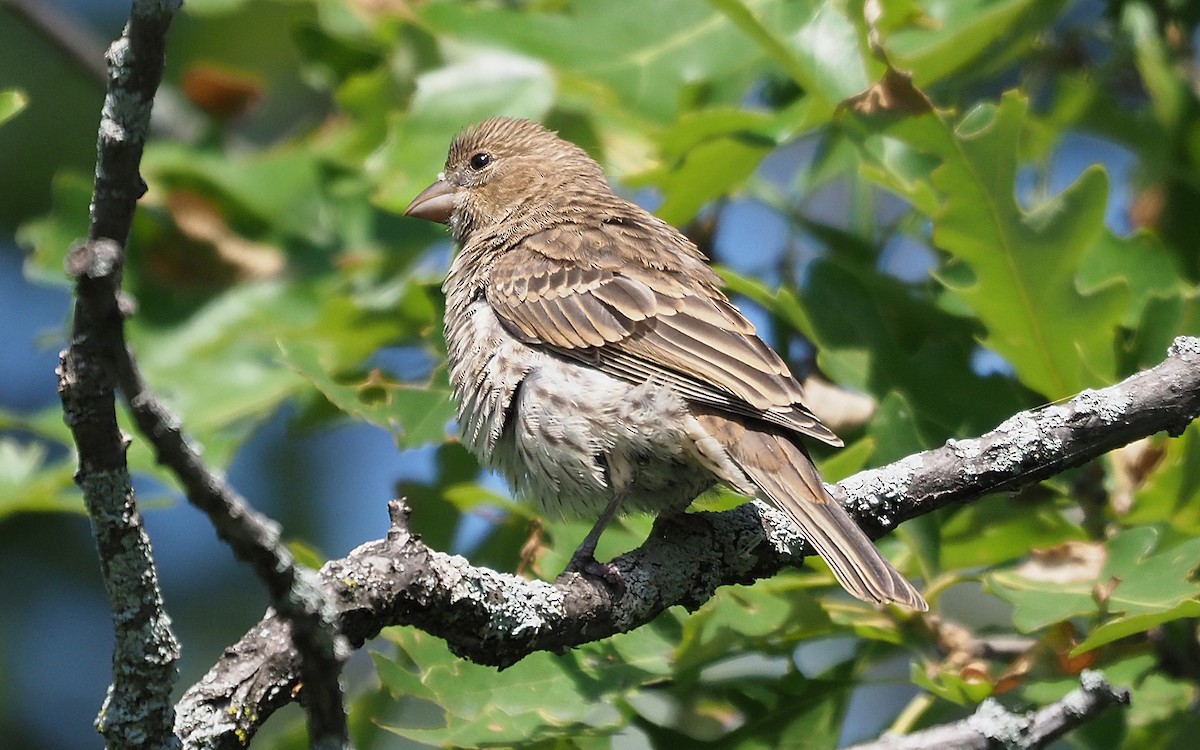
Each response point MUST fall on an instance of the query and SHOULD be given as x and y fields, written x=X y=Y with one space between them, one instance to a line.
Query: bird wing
x=615 y=296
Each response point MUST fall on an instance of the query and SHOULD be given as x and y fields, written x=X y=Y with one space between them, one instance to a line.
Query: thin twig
x=295 y=591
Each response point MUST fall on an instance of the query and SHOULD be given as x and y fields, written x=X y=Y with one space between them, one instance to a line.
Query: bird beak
x=435 y=203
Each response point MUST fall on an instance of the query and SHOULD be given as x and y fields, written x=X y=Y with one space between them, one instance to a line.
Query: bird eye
x=480 y=160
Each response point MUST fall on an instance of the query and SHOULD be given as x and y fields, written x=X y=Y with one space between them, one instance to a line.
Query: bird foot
x=585 y=564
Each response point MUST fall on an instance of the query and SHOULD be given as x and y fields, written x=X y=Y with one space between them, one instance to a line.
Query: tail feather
x=780 y=467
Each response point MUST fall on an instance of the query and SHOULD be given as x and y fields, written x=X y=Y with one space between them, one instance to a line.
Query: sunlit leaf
x=651 y=55
x=415 y=413
x=949 y=685
x=479 y=86
x=1016 y=267
x=823 y=56
x=542 y=696
x=29 y=482
x=947 y=37
x=1125 y=626
x=1000 y=528
x=12 y=101
x=1147 y=582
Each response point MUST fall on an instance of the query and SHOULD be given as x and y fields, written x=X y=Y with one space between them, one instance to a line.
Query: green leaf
x=893 y=429
x=773 y=615
x=951 y=36
x=276 y=188
x=876 y=335
x=849 y=460
x=1000 y=528
x=52 y=235
x=415 y=414
x=543 y=696
x=215 y=7
x=823 y=56
x=949 y=685
x=12 y=101
x=1017 y=269
x=1140 y=261
x=1126 y=670
x=367 y=99
x=1168 y=95
x=831 y=53
x=622 y=535
x=1125 y=626
x=709 y=154
x=29 y=483
x=708 y=171
x=1149 y=583
x=793 y=712
x=1163 y=713
x=1163 y=318
x=781 y=302
x=652 y=56
x=1171 y=494
x=218 y=369
x=478 y=86
x=901 y=167
x=777 y=49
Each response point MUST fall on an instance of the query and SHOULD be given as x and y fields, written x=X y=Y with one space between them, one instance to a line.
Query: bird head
x=506 y=171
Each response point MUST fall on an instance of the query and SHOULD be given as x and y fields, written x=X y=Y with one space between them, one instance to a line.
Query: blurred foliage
x=955 y=265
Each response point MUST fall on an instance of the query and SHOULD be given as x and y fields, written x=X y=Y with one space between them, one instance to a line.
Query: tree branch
x=296 y=592
x=138 y=712
x=992 y=726
x=496 y=618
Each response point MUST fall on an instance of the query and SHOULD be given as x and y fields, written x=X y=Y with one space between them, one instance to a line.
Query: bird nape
x=597 y=364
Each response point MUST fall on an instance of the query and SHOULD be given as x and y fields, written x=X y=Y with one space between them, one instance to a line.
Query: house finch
x=597 y=364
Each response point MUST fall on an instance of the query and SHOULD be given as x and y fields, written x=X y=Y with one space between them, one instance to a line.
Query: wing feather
x=602 y=294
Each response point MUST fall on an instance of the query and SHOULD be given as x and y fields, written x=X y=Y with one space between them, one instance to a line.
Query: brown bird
x=597 y=364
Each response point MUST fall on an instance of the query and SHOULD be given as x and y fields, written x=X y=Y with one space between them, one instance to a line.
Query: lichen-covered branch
x=138 y=711
x=495 y=618
x=1033 y=445
x=993 y=726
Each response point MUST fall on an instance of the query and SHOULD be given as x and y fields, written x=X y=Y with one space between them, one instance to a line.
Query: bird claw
x=586 y=565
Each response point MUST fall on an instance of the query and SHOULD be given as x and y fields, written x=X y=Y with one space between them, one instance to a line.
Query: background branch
x=495 y=618
x=992 y=726
x=172 y=115
x=65 y=31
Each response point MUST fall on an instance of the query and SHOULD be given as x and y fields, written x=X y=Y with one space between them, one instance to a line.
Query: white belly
x=568 y=434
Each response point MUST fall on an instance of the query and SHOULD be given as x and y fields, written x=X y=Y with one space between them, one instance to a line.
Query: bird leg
x=584 y=559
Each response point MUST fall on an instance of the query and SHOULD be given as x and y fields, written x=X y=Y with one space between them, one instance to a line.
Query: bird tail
x=782 y=470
